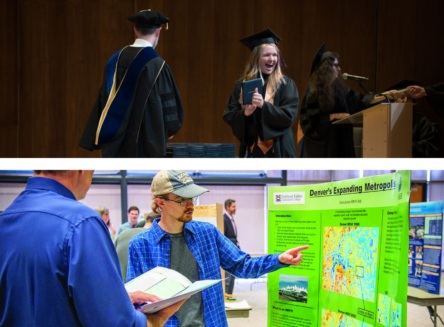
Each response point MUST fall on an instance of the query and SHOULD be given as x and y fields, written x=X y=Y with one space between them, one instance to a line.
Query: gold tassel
x=166 y=26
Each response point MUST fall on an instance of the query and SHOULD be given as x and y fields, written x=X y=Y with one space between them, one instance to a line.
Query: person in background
x=230 y=232
x=133 y=216
x=425 y=137
x=264 y=126
x=104 y=214
x=56 y=246
x=195 y=249
x=328 y=99
x=121 y=242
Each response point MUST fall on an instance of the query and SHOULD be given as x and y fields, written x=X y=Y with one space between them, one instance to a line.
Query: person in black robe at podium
x=139 y=106
x=434 y=94
x=327 y=99
x=425 y=137
x=264 y=126
x=425 y=141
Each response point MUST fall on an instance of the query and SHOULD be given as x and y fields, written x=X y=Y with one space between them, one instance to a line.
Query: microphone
x=355 y=78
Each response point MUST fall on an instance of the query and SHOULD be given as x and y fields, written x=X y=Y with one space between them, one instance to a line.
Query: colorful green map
x=384 y=310
x=333 y=319
x=396 y=315
x=389 y=312
x=350 y=261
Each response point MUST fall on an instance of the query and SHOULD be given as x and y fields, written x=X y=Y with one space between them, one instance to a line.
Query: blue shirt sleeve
x=94 y=279
x=134 y=268
x=241 y=264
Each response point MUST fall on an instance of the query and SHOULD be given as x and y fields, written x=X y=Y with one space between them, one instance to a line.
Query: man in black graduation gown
x=425 y=139
x=139 y=105
x=434 y=94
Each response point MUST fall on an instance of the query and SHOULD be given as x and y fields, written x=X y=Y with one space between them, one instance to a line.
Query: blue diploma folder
x=248 y=90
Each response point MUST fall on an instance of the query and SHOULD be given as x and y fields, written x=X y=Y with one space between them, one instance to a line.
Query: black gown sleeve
x=234 y=115
x=314 y=121
x=173 y=111
x=88 y=138
x=278 y=118
x=435 y=96
x=163 y=115
x=425 y=142
x=357 y=101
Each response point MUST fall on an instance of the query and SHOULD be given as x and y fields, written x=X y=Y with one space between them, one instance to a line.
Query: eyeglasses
x=184 y=201
x=336 y=66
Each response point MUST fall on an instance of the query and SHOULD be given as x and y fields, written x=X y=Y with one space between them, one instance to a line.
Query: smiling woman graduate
x=264 y=126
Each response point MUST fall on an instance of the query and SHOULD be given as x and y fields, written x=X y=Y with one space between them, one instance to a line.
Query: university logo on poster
x=289 y=198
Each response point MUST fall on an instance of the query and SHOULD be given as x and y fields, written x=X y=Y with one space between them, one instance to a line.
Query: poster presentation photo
x=355 y=271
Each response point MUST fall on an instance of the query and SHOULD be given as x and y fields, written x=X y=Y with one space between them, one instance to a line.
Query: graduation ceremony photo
x=213 y=79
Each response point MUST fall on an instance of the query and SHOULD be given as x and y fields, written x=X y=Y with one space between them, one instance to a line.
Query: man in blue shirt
x=195 y=249
x=133 y=216
x=58 y=265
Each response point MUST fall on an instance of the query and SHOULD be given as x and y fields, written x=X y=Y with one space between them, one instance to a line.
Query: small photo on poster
x=419 y=230
x=293 y=288
x=419 y=252
x=411 y=251
x=412 y=233
x=410 y=266
x=418 y=268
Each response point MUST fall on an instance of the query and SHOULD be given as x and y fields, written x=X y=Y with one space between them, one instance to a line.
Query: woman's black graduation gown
x=272 y=121
x=322 y=139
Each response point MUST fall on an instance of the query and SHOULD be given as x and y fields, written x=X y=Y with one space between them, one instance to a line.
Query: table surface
x=420 y=297
x=237 y=312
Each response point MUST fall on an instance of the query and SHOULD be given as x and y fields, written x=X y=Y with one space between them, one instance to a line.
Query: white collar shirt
x=139 y=43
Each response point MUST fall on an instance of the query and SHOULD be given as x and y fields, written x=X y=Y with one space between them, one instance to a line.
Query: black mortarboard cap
x=402 y=85
x=319 y=57
x=148 y=19
x=264 y=37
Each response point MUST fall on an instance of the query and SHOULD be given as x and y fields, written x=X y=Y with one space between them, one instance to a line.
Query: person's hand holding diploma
x=257 y=101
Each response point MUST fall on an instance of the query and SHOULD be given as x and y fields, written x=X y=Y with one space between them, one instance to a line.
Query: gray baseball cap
x=177 y=182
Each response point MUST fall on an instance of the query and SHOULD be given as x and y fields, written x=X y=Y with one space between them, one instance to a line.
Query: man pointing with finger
x=195 y=249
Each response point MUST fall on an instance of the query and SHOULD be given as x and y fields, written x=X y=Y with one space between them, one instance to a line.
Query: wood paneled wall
x=53 y=54
x=8 y=79
x=411 y=46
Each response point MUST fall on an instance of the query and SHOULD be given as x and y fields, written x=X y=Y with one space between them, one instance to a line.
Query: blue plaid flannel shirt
x=211 y=249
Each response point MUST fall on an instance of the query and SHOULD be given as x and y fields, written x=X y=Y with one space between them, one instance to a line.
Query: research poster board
x=425 y=246
x=355 y=271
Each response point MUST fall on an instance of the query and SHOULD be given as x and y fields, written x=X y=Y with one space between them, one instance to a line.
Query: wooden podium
x=387 y=130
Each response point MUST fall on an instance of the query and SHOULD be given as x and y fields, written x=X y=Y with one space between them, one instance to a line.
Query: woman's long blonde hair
x=253 y=69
